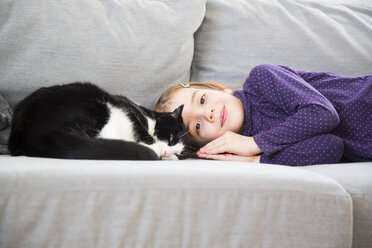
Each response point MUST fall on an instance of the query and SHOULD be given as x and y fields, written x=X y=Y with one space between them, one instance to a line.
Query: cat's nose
x=165 y=154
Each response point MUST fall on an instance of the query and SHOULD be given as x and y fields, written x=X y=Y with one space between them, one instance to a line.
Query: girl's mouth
x=223 y=116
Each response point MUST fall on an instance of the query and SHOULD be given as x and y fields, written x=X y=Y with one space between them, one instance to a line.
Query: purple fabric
x=303 y=118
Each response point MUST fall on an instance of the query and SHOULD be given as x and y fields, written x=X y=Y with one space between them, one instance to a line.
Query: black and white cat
x=81 y=121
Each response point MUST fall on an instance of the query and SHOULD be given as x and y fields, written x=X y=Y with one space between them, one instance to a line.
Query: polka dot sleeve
x=308 y=112
x=320 y=149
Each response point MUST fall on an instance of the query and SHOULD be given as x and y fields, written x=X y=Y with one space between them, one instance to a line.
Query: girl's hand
x=230 y=157
x=231 y=143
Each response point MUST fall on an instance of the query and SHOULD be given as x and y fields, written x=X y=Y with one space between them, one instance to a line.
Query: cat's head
x=170 y=131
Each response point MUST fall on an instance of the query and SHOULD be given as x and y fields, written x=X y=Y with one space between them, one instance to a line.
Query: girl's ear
x=228 y=91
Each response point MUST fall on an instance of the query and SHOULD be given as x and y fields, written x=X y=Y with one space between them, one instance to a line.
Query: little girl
x=282 y=116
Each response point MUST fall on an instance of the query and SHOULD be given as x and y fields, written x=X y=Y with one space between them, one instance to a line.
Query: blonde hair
x=163 y=100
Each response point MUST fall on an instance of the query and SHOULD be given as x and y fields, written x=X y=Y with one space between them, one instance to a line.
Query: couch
x=139 y=48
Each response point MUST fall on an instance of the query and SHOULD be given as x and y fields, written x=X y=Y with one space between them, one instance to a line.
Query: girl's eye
x=197 y=127
x=202 y=99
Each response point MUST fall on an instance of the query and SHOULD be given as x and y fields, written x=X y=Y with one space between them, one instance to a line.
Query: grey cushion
x=323 y=35
x=168 y=204
x=356 y=178
x=128 y=47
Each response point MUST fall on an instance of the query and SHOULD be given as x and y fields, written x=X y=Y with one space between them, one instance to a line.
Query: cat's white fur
x=151 y=126
x=119 y=126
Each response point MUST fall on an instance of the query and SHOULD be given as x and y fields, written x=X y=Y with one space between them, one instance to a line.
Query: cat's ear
x=177 y=113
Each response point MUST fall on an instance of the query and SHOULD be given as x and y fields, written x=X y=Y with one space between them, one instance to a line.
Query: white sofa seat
x=356 y=178
x=64 y=203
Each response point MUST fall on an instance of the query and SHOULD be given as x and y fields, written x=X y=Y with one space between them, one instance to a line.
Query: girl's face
x=208 y=114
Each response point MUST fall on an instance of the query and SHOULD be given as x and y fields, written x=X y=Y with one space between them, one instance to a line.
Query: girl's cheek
x=209 y=133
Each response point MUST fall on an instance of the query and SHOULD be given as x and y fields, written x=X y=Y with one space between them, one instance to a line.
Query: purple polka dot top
x=302 y=118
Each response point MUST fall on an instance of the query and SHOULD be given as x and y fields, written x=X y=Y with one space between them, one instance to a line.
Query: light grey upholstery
x=128 y=47
x=139 y=48
x=320 y=35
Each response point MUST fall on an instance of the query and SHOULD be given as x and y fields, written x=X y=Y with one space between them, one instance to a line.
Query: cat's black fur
x=63 y=121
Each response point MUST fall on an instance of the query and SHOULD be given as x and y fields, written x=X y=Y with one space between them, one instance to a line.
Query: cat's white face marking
x=119 y=126
x=151 y=126
x=169 y=152
x=161 y=148
x=164 y=151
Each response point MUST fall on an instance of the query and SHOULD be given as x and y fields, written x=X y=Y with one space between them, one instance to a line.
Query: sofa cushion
x=356 y=178
x=128 y=47
x=82 y=203
x=323 y=35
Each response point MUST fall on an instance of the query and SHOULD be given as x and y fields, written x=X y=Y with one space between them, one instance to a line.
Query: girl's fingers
x=229 y=157
x=233 y=157
x=210 y=145
x=212 y=156
x=219 y=148
x=216 y=146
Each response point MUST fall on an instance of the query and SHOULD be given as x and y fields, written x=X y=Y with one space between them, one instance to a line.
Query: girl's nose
x=210 y=115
